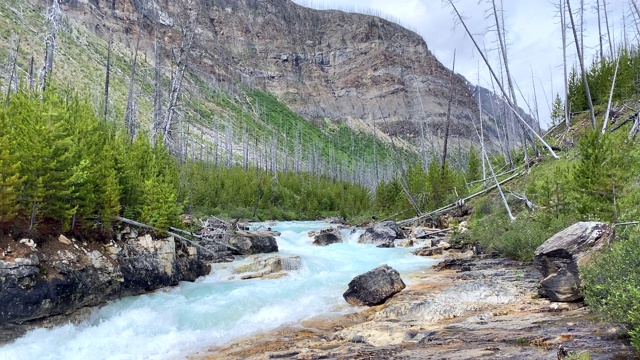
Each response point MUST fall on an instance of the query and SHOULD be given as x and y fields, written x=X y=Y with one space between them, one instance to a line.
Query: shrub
x=611 y=285
x=516 y=239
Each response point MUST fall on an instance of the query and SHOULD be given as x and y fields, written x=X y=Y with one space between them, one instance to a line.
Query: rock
x=269 y=266
x=444 y=245
x=73 y=278
x=374 y=287
x=382 y=234
x=249 y=243
x=30 y=243
x=428 y=251
x=403 y=242
x=63 y=239
x=327 y=237
x=560 y=257
x=335 y=220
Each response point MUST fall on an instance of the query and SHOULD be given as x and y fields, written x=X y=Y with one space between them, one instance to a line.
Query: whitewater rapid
x=214 y=310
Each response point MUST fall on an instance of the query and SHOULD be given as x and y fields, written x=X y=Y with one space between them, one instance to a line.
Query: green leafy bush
x=515 y=239
x=611 y=285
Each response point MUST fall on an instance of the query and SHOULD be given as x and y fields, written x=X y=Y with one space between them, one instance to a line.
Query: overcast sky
x=533 y=35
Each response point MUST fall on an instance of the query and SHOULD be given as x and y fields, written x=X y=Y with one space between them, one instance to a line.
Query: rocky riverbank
x=470 y=307
x=49 y=279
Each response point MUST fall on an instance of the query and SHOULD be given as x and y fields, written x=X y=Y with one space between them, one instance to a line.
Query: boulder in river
x=267 y=266
x=252 y=242
x=560 y=257
x=326 y=237
x=382 y=234
x=374 y=287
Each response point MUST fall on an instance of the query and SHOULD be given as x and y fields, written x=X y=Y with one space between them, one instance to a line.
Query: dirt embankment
x=469 y=308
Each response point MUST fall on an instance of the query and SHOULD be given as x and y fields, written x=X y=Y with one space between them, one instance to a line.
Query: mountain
x=356 y=79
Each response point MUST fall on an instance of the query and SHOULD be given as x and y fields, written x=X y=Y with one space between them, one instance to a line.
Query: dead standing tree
x=53 y=19
x=495 y=77
x=130 y=121
x=165 y=126
x=580 y=55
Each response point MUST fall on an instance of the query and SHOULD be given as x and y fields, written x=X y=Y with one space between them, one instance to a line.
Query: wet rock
x=249 y=243
x=382 y=234
x=429 y=251
x=327 y=237
x=266 y=266
x=560 y=257
x=374 y=287
x=75 y=277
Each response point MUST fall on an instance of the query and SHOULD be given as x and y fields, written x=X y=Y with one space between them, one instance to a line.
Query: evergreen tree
x=10 y=179
x=557 y=111
x=473 y=166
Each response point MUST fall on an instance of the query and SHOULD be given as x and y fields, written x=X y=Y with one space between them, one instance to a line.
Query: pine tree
x=557 y=111
x=10 y=179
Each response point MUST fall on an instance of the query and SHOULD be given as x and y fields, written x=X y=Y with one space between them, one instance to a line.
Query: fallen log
x=179 y=237
x=459 y=202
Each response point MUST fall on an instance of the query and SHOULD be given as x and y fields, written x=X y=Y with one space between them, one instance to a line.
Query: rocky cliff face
x=330 y=64
x=61 y=276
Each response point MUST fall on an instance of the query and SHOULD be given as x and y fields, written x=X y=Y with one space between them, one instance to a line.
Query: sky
x=533 y=36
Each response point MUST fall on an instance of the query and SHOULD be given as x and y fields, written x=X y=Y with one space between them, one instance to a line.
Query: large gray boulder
x=252 y=242
x=559 y=259
x=327 y=237
x=374 y=287
x=382 y=234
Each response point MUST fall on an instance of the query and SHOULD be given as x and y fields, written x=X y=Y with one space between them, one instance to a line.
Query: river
x=215 y=310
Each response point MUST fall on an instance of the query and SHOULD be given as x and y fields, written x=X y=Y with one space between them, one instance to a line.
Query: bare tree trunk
x=502 y=40
x=606 y=23
x=12 y=77
x=375 y=154
x=448 y=124
x=53 y=17
x=581 y=61
x=600 y=30
x=484 y=165
x=105 y=110
x=130 y=122
x=423 y=149
x=635 y=6
x=157 y=96
x=563 y=24
x=486 y=61
x=31 y=77
x=613 y=86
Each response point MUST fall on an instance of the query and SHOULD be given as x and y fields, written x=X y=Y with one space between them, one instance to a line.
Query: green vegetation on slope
x=596 y=180
x=65 y=169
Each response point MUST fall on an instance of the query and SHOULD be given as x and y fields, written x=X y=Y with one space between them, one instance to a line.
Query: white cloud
x=534 y=37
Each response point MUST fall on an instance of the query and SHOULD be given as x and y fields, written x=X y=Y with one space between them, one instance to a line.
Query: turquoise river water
x=214 y=310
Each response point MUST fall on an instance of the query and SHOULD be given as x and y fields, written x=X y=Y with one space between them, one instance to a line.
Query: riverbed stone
x=374 y=287
x=560 y=257
x=327 y=237
x=382 y=234
x=252 y=242
x=267 y=266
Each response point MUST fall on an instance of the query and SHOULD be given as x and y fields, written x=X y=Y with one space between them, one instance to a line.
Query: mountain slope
x=358 y=75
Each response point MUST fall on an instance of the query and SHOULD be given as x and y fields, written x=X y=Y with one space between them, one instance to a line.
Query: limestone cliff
x=329 y=64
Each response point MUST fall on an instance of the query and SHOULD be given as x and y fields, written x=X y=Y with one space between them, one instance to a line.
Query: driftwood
x=459 y=202
x=179 y=237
